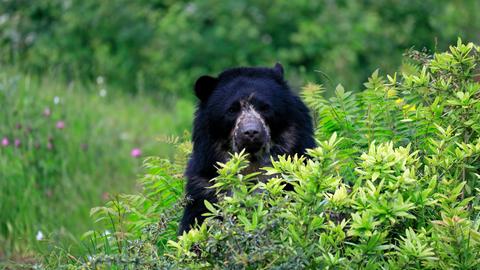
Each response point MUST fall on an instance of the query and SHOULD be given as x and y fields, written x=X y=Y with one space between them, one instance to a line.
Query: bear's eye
x=233 y=109
x=264 y=108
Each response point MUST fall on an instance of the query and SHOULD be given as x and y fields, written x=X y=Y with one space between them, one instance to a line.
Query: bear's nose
x=252 y=134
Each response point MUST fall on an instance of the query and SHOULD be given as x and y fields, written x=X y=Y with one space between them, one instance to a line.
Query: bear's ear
x=278 y=68
x=204 y=86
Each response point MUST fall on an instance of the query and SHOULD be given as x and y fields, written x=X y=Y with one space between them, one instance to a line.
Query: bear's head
x=248 y=108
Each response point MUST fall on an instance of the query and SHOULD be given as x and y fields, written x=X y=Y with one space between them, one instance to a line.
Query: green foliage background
x=163 y=46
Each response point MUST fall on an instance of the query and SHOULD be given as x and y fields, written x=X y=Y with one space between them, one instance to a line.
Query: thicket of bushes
x=393 y=184
x=163 y=46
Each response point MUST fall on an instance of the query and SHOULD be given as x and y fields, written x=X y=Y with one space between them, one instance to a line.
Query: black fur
x=284 y=113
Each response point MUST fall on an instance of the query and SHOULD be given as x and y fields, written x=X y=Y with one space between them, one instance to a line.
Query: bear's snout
x=252 y=137
x=250 y=133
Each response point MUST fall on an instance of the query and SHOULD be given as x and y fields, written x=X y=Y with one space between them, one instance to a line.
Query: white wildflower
x=124 y=136
x=191 y=8
x=100 y=80
x=39 y=236
x=3 y=18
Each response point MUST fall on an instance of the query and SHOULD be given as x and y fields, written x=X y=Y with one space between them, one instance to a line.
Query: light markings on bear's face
x=247 y=117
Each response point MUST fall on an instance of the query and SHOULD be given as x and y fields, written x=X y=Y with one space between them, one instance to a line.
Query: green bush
x=393 y=184
x=163 y=46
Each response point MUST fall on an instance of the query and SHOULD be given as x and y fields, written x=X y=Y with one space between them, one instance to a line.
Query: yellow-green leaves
x=230 y=176
x=362 y=225
x=395 y=168
x=414 y=249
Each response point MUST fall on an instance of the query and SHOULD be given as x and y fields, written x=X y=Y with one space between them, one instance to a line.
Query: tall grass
x=66 y=147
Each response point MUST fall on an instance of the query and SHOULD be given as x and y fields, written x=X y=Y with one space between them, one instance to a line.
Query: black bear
x=249 y=108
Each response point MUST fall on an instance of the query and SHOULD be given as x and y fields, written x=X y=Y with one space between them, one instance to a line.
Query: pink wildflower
x=47 y=112
x=17 y=143
x=5 y=142
x=136 y=152
x=105 y=196
x=60 y=125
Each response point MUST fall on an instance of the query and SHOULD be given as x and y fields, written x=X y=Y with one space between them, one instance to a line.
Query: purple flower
x=17 y=143
x=60 y=125
x=49 y=145
x=47 y=112
x=136 y=152
x=5 y=142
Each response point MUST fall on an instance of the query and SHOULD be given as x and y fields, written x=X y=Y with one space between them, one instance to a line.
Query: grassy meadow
x=69 y=146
